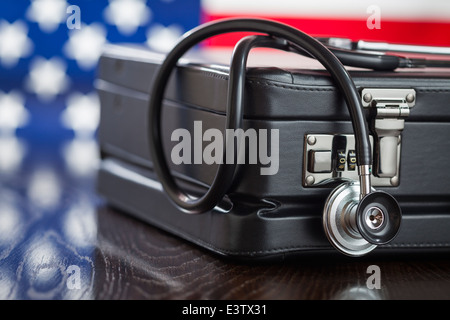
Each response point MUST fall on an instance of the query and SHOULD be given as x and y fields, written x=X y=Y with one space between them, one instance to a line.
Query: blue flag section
x=49 y=51
x=49 y=115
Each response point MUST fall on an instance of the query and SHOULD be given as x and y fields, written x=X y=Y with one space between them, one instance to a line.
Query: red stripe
x=402 y=32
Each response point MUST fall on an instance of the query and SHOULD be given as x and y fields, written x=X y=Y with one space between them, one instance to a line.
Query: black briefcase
x=296 y=183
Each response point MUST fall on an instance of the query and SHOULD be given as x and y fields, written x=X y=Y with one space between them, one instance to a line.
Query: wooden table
x=59 y=240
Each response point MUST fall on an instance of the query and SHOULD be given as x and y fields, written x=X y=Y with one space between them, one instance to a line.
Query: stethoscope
x=369 y=217
x=374 y=55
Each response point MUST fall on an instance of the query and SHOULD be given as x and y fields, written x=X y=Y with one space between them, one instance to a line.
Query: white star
x=82 y=114
x=85 y=45
x=81 y=156
x=14 y=42
x=11 y=223
x=127 y=15
x=80 y=224
x=12 y=151
x=44 y=188
x=163 y=39
x=47 y=78
x=13 y=114
x=49 y=14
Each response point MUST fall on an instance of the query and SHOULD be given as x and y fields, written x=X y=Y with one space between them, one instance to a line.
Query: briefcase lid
x=279 y=84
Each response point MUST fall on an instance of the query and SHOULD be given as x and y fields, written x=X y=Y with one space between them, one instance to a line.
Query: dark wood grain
x=139 y=261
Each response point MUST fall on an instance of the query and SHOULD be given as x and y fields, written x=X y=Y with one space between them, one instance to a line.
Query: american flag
x=49 y=114
x=417 y=22
x=49 y=51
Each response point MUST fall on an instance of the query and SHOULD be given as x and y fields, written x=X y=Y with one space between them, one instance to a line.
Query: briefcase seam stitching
x=282 y=249
x=295 y=88
x=418 y=244
x=216 y=76
x=433 y=90
x=268 y=84
x=274 y=250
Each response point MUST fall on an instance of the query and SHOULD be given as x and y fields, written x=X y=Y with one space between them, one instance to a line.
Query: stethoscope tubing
x=225 y=174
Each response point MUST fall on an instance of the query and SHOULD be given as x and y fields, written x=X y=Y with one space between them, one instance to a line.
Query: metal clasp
x=389 y=108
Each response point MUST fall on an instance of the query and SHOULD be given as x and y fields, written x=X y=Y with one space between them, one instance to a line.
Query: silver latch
x=390 y=108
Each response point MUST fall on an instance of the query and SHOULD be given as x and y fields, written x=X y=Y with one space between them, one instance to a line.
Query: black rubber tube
x=225 y=172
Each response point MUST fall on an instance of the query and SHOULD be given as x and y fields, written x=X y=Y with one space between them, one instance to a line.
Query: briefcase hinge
x=389 y=103
x=389 y=108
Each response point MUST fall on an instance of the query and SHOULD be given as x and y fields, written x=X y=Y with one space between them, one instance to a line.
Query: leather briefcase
x=295 y=188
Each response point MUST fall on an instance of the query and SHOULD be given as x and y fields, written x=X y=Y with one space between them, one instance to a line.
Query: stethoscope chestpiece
x=378 y=217
x=357 y=226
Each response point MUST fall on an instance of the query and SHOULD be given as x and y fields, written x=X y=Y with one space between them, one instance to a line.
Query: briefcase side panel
x=249 y=232
x=423 y=164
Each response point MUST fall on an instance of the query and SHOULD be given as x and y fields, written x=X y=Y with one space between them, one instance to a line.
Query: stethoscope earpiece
x=357 y=226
